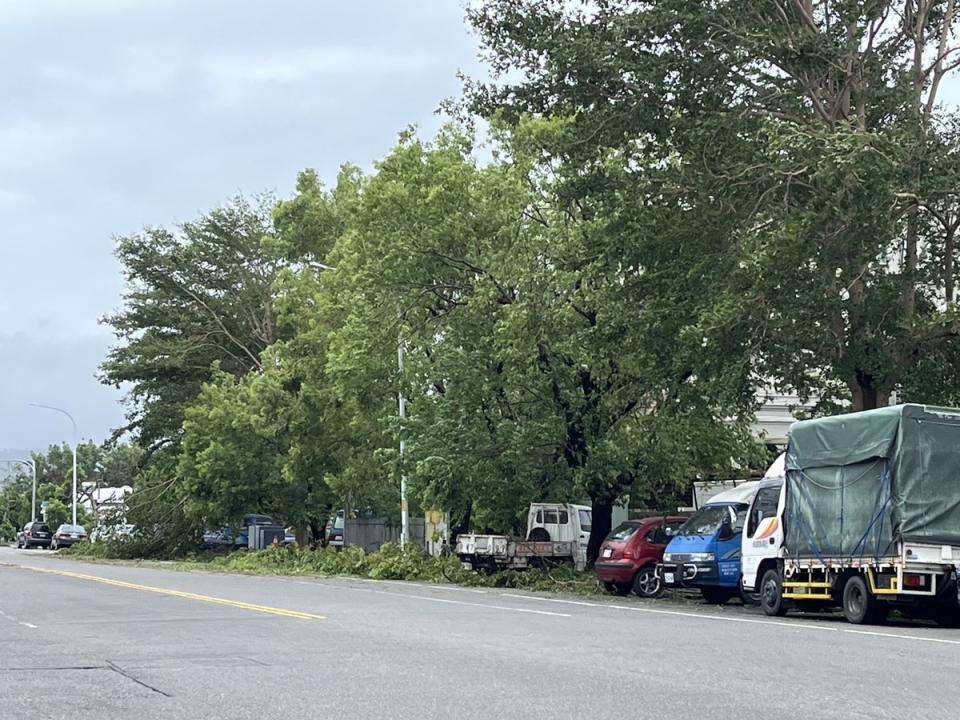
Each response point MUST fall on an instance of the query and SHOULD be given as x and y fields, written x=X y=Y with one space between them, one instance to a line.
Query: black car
x=67 y=535
x=34 y=534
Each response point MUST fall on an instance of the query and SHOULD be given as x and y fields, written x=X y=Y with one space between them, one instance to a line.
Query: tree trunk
x=866 y=395
x=948 y=251
x=464 y=525
x=908 y=297
x=602 y=512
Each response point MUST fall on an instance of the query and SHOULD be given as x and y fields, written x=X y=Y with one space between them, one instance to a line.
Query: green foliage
x=683 y=202
x=195 y=297
x=391 y=562
x=791 y=162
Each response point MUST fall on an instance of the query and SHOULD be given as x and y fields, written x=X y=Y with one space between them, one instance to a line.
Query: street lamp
x=74 y=423
x=404 y=513
x=33 y=469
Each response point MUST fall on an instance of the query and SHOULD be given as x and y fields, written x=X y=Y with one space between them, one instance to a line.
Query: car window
x=765 y=506
x=539 y=517
x=564 y=517
x=551 y=517
x=623 y=531
x=656 y=535
x=740 y=518
x=586 y=520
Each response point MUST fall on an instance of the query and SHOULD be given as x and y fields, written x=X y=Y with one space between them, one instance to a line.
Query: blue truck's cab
x=705 y=552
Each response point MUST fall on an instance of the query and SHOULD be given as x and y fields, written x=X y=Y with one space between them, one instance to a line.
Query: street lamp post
x=404 y=510
x=404 y=514
x=33 y=470
x=74 y=423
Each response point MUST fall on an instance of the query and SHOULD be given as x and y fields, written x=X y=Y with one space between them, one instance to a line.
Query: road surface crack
x=130 y=676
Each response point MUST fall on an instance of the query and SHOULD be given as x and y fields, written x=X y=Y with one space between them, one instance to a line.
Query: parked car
x=630 y=553
x=289 y=536
x=705 y=552
x=334 y=530
x=236 y=538
x=67 y=536
x=34 y=534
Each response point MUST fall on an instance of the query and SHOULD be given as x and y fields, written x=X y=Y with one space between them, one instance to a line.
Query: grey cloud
x=121 y=113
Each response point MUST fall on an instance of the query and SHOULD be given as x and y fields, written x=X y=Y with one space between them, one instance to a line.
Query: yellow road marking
x=178 y=593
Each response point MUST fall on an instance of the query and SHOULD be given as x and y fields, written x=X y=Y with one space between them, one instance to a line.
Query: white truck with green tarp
x=864 y=514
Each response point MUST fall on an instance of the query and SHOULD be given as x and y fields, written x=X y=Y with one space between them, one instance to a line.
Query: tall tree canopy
x=810 y=131
x=195 y=297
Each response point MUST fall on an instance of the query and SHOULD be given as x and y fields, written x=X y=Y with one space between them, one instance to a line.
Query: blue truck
x=705 y=552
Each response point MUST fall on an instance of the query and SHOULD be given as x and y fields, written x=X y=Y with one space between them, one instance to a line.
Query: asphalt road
x=84 y=641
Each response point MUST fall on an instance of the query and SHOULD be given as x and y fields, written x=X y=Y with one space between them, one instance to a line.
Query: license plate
x=668 y=578
x=607 y=552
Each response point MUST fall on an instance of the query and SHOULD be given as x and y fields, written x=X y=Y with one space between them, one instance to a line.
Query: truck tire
x=771 y=594
x=859 y=606
x=646 y=584
x=716 y=596
x=749 y=599
x=538 y=535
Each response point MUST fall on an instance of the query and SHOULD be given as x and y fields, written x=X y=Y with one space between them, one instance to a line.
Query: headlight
x=701 y=557
x=667 y=557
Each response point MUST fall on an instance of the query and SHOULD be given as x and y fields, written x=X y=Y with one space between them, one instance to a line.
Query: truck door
x=728 y=549
x=761 y=533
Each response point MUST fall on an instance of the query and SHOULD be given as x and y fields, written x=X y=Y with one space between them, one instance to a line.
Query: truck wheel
x=538 y=535
x=749 y=599
x=859 y=606
x=646 y=584
x=771 y=594
x=715 y=596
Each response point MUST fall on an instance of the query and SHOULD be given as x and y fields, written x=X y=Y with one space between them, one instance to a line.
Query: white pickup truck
x=556 y=532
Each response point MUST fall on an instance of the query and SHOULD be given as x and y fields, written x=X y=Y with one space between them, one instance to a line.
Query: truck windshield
x=706 y=521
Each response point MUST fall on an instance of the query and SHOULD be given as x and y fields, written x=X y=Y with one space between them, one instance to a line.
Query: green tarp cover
x=858 y=482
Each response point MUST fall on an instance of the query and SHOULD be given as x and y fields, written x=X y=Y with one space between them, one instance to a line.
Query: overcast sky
x=115 y=114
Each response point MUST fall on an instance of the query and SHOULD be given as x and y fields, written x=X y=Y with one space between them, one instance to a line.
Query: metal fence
x=371 y=533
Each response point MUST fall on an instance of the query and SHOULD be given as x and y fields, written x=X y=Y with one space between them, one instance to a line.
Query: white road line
x=459 y=602
x=29 y=625
x=753 y=621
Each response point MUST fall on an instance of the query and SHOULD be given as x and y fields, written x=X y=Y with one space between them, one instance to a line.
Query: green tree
x=532 y=370
x=802 y=141
x=279 y=440
x=196 y=296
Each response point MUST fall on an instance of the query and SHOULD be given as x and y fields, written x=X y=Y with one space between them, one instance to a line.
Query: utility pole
x=404 y=514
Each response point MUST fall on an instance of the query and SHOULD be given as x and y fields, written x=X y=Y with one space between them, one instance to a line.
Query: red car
x=630 y=553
